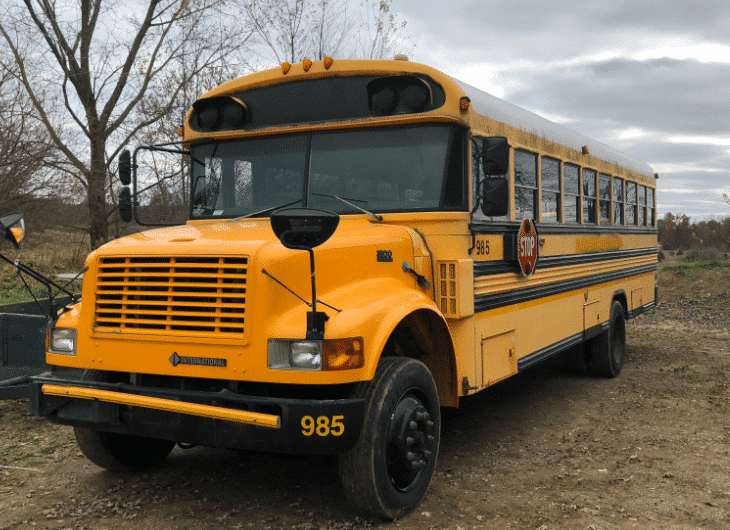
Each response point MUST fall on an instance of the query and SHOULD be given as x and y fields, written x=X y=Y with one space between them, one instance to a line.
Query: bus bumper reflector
x=206 y=411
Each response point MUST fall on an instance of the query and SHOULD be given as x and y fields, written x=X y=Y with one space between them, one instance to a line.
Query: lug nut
x=430 y=438
x=413 y=425
x=410 y=456
x=410 y=441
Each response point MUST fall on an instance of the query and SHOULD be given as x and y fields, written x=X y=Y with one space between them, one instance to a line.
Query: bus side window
x=632 y=216
x=525 y=185
x=642 y=206
x=604 y=192
x=589 y=196
x=650 y=205
x=618 y=201
x=571 y=191
x=490 y=164
x=550 y=183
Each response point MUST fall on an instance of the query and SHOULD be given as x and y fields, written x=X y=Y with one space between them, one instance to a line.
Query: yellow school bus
x=368 y=241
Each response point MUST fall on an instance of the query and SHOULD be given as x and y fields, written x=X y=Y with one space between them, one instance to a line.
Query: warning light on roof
x=656 y=175
x=585 y=150
x=328 y=62
x=464 y=103
x=306 y=64
x=285 y=67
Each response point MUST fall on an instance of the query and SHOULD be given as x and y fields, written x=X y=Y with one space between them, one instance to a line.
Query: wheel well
x=620 y=296
x=423 y=335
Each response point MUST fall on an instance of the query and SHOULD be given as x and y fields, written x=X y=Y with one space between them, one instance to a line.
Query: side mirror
x=495 y=155
x=495 y=197
x=13 y=228
x=125 y=204
x=303 y=228
x=125 y=167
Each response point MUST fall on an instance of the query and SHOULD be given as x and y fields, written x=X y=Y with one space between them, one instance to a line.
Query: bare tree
x=25 y=153
x=101 y=58
x=291 y=30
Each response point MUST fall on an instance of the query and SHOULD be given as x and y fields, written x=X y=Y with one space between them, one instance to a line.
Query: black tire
x=607 y=351
x=387 y=473
x=121 y=452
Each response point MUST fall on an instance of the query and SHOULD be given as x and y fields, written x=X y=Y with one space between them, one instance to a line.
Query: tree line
x=676 y=232
x=80 y=81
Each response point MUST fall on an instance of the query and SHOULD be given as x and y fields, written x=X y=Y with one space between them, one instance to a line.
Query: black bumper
x=305 y=426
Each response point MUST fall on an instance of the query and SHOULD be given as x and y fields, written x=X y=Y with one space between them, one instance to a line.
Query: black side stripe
x=494 y=301
x=545 y=353
x=512 y=227
x=486 y=268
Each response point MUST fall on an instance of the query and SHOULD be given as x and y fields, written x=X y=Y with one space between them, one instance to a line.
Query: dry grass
x=51 y=252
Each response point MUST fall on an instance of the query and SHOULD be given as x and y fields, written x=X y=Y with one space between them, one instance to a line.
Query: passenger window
x=642 y=206
x=604 y=191
x=650 y=206
x=550 y=183
x=525 y=185
x=571 y=190
x=618 y=201
x=589 y=196
x=632 y=216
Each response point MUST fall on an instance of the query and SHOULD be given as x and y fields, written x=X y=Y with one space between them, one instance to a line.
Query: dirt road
x=545 y=450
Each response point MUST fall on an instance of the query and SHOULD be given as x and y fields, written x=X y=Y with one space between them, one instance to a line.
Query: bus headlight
x=306 y=355
x=295 y=354
x=63 y=341
x=316 y=355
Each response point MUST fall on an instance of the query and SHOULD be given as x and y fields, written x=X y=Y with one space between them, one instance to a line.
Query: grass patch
x=687 y=267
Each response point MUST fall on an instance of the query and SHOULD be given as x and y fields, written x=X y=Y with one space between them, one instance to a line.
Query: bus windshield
x=417 y=168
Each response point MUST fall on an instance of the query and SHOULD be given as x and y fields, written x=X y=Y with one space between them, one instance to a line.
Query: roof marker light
x=285 y=67
x=306 y=64
x=328 y=62
x=464 y=103
x=585 y=150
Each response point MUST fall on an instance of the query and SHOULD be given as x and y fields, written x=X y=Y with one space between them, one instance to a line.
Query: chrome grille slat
x=177 y=296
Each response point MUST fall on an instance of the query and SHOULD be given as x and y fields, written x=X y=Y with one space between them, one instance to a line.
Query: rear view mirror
x=495 y=197
x=495 y=155
x=125 y=167
x=125 y=204
x=13 y=228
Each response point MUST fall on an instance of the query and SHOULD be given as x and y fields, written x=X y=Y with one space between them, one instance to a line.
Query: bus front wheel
x=387 y=473
x=607 y=351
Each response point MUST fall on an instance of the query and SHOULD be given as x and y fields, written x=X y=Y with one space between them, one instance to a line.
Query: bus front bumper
x=215 y=419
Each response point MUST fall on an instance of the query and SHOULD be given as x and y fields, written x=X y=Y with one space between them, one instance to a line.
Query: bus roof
x=509 y=114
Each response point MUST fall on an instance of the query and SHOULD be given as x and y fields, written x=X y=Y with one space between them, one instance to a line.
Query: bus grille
x=178 y=296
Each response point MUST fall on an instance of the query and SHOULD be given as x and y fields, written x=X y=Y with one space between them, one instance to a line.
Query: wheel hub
x=410 y=442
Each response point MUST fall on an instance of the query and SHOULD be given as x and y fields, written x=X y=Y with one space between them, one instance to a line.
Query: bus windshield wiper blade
x=263 y=212
x=346 y=201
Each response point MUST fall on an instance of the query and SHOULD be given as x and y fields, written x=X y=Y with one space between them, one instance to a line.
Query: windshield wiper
x=264 y=212
x=346 y=201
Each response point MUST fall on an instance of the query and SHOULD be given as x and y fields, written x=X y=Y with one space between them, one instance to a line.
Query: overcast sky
x=649 y=78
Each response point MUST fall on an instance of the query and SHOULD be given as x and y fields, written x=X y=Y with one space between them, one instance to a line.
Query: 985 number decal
x=482 y=247
x=323 y=426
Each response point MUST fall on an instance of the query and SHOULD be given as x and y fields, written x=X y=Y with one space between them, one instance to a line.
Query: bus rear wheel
x=387 y=473
x=607 y=351
x=121 y=452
